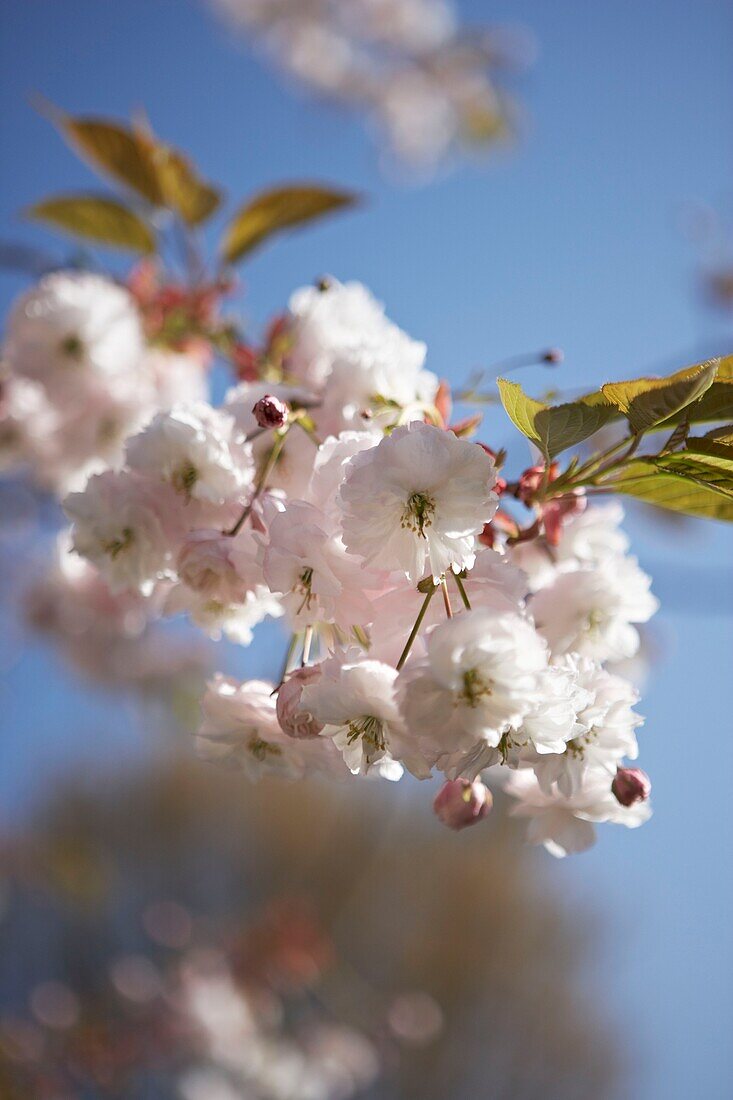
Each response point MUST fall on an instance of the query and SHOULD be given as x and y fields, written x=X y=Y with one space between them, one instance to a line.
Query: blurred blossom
x=54 y=1005
x=415 y=1018
x=136 y=978
x=168 y=923
x=426 y=84
x=272 y=1001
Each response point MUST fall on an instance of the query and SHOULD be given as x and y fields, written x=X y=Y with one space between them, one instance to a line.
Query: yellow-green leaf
x=114 y=149
x=715 y=404
x=709 y=453
x=96 y=219
x=553 y=428
x=650 y=401
x=182 y=188
x=274 y=210
x=680 y=490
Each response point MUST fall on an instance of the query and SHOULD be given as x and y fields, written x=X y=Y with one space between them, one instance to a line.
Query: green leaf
x=553 y=428
x=703 y=452
x=647 y=402
x=695 y=491
x=112 y=148
x=96 y=219
x=272 y=211
x=182 y=188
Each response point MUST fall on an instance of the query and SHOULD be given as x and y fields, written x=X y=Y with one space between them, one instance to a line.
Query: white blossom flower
x=604 y=733
x=209 y=563
x=330 y=467
x=177 y=377
x=119 y=524
x=588 y=538
x=385 y=383
x=593 y=535
x=240 y=730
x=72 y=328
x=216 y=617
x=354 y=700
x=335 y=320
x=590 y=611
x=309 y=567
x=484 y=672
x=417 y=501
x=565 y=825
x=554 y=721
x=193 y=448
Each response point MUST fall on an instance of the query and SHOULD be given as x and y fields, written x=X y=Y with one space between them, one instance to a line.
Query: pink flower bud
x=459 y=803
x=631 y=785
x=556 y=513
x=532 y=479
x=294 y=721
x=205 y=565
x=270 y=411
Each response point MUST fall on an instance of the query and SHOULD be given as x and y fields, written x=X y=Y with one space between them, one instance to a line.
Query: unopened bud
x=532 y=479
x=270 y=411
x=293 y=720
x=631 y=785
x=460 y=803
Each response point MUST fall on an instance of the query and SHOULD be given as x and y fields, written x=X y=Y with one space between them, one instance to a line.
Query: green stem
x=418 y=623
x=261 y=480
x=462 y=589
x=446 y=597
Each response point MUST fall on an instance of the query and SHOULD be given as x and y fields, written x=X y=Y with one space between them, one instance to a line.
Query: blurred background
x=165 y=928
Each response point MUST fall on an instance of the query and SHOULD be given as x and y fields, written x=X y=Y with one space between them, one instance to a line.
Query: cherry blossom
x=417 y=500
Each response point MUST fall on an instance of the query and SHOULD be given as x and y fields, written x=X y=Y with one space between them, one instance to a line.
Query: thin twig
x=462 y=589
x=418 y=623
x=261 y=481
x=446 y=597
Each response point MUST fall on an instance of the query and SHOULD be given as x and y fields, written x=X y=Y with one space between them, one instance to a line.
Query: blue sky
x=569 y=239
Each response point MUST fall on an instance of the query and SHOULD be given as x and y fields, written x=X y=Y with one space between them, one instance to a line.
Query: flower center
x=593 y=622
x=185 y=478
x=72 y=346
x=262 y=749
x=418 y=513
x=578 y=745
x=115 y=546
x=475 y=687
x=303 y=587
x=370 y=730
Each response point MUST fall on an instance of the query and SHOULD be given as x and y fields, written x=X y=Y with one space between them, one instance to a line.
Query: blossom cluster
x=78 y=377
x=425 y=83
x=428 y=636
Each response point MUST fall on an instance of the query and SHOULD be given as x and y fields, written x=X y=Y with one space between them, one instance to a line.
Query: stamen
x=262 y=749
x=371 y=731
x=305 y=581
x=418 y=513
x=72 y=346
x=115 y=546
x=184 y=479
x=475 y=687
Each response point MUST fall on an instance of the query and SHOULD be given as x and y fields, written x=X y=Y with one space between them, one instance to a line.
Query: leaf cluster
x=688 y=474
x=157 y=179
